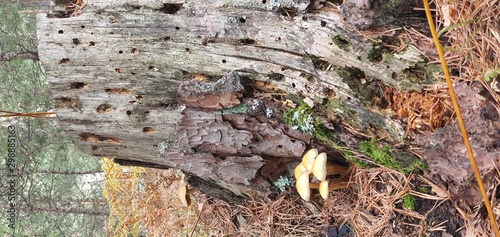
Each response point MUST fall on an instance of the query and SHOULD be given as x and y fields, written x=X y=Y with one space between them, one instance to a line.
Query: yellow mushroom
x=308 y=158
x=299 y=170
x=322 y=168
x=302 y=185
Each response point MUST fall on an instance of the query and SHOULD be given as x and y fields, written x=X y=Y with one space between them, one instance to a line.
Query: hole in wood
x=129 y=112
x=224 y=61
x=242 y=20
x=76 y=41
x=60 y=31
x=170 y=8
x=91 y=43
x=120 y=52
x=104 y=109
x=66 y=102
x=121 y=91
x=94 y=138
x=276 y=77
x=64 y=60
x=78 y=85
x=134 y=50
x=148 y=130
x=247 y=41
x=323 y=23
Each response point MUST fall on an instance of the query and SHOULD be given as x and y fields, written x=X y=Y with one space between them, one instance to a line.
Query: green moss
x=301 y=119
x=383 y=156
x=409 y=201
x=338 y=107
x=421 y=73
x=381 y=50
x=319 y=63
x=424 y=189
x=375 y=54
x=309 y=77
x=342 y=42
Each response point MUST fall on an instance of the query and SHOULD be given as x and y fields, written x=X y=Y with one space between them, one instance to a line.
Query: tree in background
x=55 y=195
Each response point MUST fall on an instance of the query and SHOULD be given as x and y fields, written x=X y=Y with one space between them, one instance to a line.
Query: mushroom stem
x=304 y=186
x=334 y=184
x=329 y=185
x=333 y=168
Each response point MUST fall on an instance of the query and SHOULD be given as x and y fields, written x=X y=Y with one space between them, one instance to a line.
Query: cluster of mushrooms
x=317 y=165
x=312 y=163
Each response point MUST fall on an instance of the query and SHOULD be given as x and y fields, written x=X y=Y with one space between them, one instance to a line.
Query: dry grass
x=473 y=30
x=145 y=199
x=286 y=216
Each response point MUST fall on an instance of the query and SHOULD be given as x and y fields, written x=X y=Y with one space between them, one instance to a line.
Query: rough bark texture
x=119 y=70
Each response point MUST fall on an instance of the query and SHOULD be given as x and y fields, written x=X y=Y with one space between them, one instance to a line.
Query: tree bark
x=157 y=83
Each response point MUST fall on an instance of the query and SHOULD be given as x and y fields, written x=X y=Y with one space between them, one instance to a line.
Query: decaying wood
x=119 y=70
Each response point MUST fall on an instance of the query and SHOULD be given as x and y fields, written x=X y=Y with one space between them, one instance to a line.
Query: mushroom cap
x=308 y=158
x=319 y=167
x=299 y=170
x=183 y=194
x=302 y=186
x=324 y=189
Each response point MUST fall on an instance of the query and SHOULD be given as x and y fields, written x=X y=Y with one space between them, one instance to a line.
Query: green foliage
x=489 y=76
x=409 y=201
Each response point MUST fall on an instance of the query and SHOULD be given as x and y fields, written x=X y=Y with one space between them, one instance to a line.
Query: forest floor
x=439 y=201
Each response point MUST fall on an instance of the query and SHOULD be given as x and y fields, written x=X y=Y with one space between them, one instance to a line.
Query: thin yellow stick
x=460 y=120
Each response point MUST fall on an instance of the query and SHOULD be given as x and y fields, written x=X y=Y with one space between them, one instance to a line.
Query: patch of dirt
x=441 y=217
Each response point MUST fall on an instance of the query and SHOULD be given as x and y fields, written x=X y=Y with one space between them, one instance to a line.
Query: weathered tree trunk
x=119 y=70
